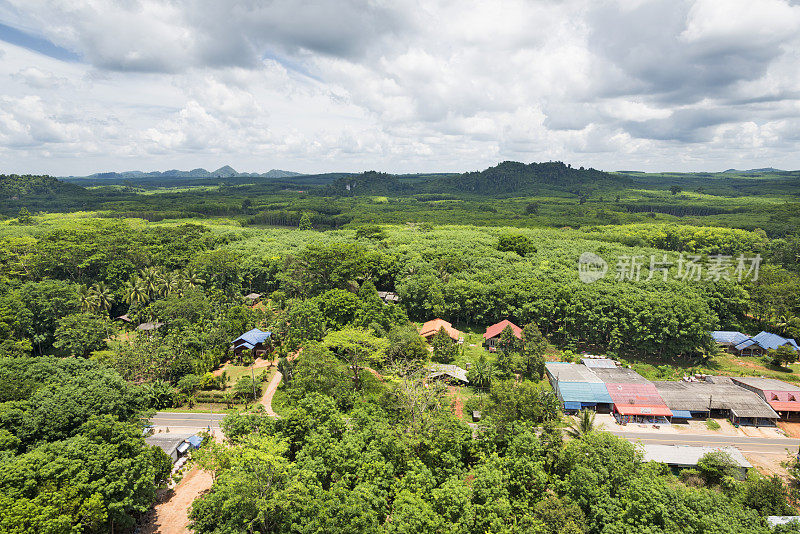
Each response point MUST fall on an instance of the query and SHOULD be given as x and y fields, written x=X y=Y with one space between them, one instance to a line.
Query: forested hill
x=370 y=182
x=505 y=178
x=37 y=192
x=515 y=177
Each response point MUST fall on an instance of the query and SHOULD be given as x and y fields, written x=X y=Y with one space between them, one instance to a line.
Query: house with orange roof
x=432 y=327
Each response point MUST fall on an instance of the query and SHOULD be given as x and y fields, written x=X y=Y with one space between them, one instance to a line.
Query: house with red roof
x=492 y=335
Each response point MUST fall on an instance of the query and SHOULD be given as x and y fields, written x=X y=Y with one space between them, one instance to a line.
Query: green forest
x=363 y=442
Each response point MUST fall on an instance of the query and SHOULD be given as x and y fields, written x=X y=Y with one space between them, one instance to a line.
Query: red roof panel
x=496 y=329
x=785 y=406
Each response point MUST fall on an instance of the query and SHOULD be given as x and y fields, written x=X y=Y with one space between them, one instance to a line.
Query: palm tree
x=135 y=292
x=585 y=424
x=85 y=297
x=191 y=278
x=149 y=277
x=482 y=372
x=102 y=296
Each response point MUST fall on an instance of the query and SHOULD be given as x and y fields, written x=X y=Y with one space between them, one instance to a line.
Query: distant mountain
x=765 y=169
x=223 y=172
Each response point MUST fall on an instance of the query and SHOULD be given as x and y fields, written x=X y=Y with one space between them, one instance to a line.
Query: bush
x=517 y=243
x=715 y=466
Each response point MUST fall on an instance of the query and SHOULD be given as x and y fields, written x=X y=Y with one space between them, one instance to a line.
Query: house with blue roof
x=763 y=342
x=728 y=339
x=255 y=340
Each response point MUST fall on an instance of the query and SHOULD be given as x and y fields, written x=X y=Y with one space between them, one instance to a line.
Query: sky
x=397 y=86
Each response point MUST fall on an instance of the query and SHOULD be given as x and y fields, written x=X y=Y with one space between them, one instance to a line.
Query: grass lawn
x=235 y=372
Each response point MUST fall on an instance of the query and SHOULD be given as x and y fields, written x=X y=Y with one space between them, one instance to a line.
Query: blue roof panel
x=681 y=414
x=572 y=405
x=253 y=338
x=583 y=392
x=769 y=341
x=725 y=336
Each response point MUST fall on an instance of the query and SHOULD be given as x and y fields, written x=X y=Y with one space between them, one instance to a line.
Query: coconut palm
x=168 y=283
x=149 y=278
x=102 y=296
x=585 y=424
x=135 y=292
x=191 y=278
x=86 y=298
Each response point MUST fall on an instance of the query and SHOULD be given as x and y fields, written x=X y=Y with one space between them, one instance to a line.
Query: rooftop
x=727 y=336
x=768 y=341
x=252 y=338
x=620 y=375
x=432 y=327
x=571 y=372
x=706 y=396
x=684 y=455
x=440 y=369
x=766 y=384
x=599 y=363
x=497 y=329
x=146 y=327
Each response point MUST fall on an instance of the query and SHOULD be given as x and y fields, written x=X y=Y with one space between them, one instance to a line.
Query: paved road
x=745 y=444
x=186 y=420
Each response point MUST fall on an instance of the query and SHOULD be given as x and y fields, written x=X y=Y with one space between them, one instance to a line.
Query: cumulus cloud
x=402 y=85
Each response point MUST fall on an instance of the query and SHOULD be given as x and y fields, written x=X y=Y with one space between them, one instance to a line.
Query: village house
x=762 y=343
x=255 y=340
x=449 y=373
x=781 y=396
x=492 y=335
x=432 y=327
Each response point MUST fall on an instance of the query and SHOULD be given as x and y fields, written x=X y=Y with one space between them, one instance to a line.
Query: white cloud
x=405 y=85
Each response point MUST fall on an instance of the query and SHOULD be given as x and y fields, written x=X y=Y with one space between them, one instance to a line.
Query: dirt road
x=172 y=515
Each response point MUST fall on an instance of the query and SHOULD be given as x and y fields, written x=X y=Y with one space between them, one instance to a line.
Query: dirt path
x=266 y=399
x=172 y=515
x=458 y=404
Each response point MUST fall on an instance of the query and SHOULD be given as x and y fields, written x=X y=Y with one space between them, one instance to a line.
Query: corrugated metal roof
x=599 y=363
x=583 y=392
x=726 y=336
x=684 y=455
x=440 y=369
x=775 y=520
x=571 y=372
x=785 y=406
x=252 y=338
x=766 y=384
x=620 y=375
x=717 y=395
x=629 y=398
x=768 y=341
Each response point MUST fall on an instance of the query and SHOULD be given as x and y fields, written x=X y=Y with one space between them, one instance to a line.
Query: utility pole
x=253 y=379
